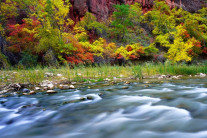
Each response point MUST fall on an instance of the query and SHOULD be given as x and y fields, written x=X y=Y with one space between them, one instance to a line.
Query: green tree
x=121 y=21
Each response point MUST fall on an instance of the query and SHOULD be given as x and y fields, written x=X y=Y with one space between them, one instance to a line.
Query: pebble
x=73 y=83
x=63 y=87
x=37 y=88
x=51 y=91
x=44 y=88
x=202 y=75
x=50 y=86
x=59 y=75
x=107 y=79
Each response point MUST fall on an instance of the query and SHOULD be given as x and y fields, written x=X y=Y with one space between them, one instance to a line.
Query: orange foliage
x=80 y=54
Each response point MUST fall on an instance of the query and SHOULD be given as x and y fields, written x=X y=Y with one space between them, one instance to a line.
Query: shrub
x=28 y=60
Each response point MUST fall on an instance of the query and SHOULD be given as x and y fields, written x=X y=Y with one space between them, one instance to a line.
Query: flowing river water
x=169 y=109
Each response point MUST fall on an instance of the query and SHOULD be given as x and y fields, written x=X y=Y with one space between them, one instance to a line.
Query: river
x=169 y=109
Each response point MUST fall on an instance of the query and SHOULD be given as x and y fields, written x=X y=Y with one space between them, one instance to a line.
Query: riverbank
x=65 y=78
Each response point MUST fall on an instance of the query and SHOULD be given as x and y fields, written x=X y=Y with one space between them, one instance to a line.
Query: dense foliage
x=35 y=28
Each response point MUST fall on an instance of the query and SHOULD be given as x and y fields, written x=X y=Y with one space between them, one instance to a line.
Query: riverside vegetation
x=105 y=72
x=38 y=37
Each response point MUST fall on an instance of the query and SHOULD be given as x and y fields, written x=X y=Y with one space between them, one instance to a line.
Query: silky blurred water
x=169 y=109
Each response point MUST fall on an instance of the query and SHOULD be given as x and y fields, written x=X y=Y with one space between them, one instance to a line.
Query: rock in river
x=51 y=91
x=25 y=90
x=72 y=87
x=50 y=86
x=64 y=87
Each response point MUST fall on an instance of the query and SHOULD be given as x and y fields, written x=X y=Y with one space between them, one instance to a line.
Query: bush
x=28 y=60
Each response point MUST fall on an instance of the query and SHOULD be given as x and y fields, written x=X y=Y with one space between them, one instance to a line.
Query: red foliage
x=129 y=48
x=20 y=39
x=119 y=56
x=205 y=50
x=197 y=44
x=133 y=57
x=190 y=52
x=196 y=50
x=186 y=34
x=140 y=50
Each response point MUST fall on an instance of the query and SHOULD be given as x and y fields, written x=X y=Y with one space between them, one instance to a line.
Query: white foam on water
x=185 y=87
x=2 y=126
x=175 y=112
x=196 y=90
x=5 y=110
x=95 y=96
x=168 y=84
x=175 y=134
x=139 y=99
x=156 y=90
x=202 y=95
x=44 y=114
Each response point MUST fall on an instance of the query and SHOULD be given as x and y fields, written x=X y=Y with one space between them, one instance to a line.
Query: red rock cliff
x=103 y=8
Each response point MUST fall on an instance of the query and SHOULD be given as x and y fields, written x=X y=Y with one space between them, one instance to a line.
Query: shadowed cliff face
x=103 y=8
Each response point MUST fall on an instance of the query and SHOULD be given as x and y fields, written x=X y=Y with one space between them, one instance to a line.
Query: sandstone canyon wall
x=103 y=8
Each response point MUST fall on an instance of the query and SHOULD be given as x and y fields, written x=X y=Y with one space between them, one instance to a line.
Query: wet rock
x=89 y=97
x=3 y=96
x=4 y=91
x=37 y=88
x=50 y=87
x=75 y=100
x=15 y=87
x=25 y=93
x=167 y=98
x=32 y=92
x=146 y=86
x=101 y=94
x=175 y=77
x=127 y=82
x=71 y=87
x=45 y=83
x=25 y=90
x=107 y=79
x=51 y=92
x=73 y=83
x=169 y=77
x=64 y=87
x=125 y=87
x=82 y=98
x=44 y=88
x=202 y=75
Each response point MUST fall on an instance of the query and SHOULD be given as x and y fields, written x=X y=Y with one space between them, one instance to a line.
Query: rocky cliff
x=103 y=8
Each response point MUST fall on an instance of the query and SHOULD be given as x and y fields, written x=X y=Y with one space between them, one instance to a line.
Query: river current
x=168 y=109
